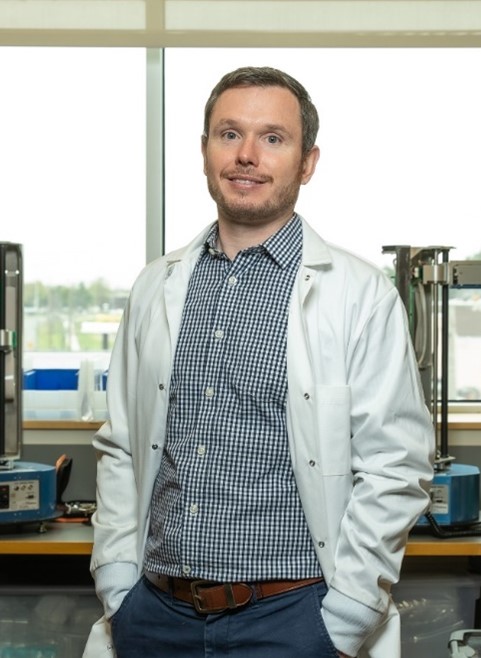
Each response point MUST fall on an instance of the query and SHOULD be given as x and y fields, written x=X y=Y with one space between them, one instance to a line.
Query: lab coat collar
x=315 y=251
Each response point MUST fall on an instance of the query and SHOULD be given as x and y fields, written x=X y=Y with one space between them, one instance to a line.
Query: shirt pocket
x=333 y=429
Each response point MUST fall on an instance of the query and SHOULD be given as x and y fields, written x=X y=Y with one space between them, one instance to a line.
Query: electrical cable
x=451 y=532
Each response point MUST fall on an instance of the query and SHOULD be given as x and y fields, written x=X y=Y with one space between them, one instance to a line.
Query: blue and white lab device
x=27 y=490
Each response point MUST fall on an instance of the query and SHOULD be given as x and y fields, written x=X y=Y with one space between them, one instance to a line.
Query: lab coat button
x=321 y=544
x=312 y=462
x=306 y=396
x=161 y=387
x=155 y=446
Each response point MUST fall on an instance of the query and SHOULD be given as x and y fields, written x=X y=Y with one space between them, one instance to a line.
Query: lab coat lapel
x=180 y=266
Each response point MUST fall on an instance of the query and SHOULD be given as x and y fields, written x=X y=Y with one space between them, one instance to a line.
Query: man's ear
x=309 y=164
x=203 y=147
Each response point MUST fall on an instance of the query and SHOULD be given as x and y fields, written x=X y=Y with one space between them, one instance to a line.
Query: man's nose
x=247 y=153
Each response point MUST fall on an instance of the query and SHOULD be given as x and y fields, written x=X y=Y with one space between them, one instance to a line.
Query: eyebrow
x=269 y=127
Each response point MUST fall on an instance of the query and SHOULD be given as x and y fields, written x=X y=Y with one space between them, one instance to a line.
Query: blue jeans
x=152 y=624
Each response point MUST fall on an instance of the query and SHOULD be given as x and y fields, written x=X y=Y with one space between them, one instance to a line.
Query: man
x=268 y=447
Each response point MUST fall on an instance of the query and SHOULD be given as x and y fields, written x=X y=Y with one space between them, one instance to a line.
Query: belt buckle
x=197 y=599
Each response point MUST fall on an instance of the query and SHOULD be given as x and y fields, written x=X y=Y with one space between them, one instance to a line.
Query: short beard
x=251 y=213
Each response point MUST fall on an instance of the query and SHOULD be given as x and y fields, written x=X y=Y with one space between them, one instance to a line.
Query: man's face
x=253 y=155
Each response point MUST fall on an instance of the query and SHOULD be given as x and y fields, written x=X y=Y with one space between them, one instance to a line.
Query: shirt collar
x=282 y=247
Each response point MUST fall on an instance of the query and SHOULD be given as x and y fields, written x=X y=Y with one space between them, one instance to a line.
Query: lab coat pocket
x=333 y=429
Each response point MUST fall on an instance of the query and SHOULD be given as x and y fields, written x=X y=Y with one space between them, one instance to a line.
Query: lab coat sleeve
x=114 y=563
x=129 y=446
x=392 y=445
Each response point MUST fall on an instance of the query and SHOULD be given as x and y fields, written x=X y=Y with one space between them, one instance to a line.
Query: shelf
x=62 y=424
x=59 y=539
x=77 y=539
x=456 y=421
x=431 y=546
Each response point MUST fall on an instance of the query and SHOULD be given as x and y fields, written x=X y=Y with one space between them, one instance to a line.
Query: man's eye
x=230 y=134
x=273 y=139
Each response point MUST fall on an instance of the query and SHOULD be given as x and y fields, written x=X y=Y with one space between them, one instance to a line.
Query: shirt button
x=201 y=451
x=186 y=569
x=232 y=280
x=194 y=509
x=209 y=392
x=218 y=333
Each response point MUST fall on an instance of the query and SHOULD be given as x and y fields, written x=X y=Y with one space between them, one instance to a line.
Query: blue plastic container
x=44 y=379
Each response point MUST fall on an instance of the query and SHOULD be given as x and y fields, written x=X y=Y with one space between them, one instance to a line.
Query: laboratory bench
x=54 y=538
x=59 y=538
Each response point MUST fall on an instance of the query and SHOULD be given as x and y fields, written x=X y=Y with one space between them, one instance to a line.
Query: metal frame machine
x=27 y=490
x=424 y=277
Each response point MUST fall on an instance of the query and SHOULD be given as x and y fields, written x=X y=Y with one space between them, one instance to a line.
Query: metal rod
x=435 y=354
x=444 y=364
x=3 y=314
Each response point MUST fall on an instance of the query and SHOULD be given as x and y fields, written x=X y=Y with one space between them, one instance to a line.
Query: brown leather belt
x=211 y=597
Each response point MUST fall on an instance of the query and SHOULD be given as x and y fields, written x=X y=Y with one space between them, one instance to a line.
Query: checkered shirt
x=225 y=505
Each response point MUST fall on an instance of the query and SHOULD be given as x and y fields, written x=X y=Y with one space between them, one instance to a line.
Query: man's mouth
x=245 y=180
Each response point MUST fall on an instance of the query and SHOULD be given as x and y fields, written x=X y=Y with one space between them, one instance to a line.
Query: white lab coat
x=360 y=436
